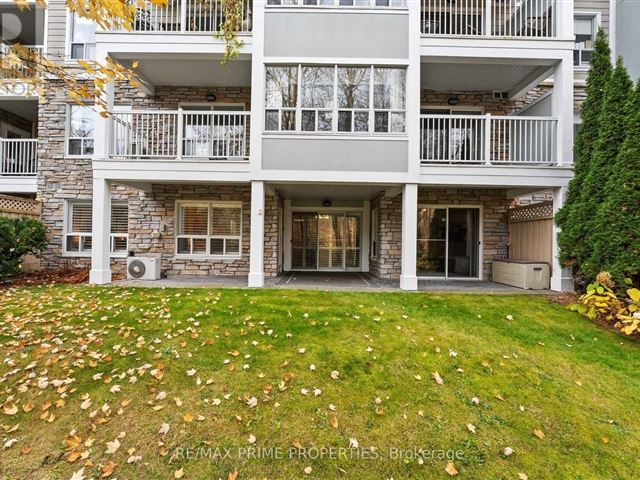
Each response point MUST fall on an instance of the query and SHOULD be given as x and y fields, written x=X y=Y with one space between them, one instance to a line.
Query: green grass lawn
x=236 y=374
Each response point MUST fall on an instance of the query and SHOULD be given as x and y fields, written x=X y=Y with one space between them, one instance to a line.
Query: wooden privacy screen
x=19 y=207
x=530 y=232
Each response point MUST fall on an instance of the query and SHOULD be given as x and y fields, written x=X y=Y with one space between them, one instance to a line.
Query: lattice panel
x=529 y=213
x=16 y=206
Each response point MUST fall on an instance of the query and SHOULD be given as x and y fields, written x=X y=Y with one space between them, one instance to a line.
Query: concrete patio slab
x=342 y=281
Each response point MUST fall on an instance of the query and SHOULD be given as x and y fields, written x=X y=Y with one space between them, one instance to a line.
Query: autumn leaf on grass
x=232 y=475
x=107 y=469
x=451 y=469
x=436 y=376
x=188 y=417
x=164 y=429
x=539 y=433
x=10 y=409
x=178 y=473
x=112 y=447
x=79 y=475
x=471 y=427
x=333 y=421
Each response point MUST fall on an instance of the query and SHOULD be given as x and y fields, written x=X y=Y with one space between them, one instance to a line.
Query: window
x=209 y=228
x=375 y=234
x=281 y=98
x=388 y=99
x=317 y=99
x=80 y=130
x=83 y=38
x=585 y=28
x=353 y=99
x=78 y=228
x=360 y=99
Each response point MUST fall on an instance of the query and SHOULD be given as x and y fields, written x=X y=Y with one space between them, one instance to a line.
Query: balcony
x=488 y=140
x=18 y=157
x=181 y=134
x=521 y=19
x=188 y=16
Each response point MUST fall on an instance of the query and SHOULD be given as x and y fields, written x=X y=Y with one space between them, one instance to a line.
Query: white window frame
x=68 y=136
x=370 y=110
x=375 y=233
x=209 y=236
x=69 y=41
x=68 y=208
x=596 y=18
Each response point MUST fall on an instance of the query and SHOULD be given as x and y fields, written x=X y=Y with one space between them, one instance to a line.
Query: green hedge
x=19 y=237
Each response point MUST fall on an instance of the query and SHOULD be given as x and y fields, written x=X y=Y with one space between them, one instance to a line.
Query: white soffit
x=315 y=192
x=197 y=72
x=472 y=77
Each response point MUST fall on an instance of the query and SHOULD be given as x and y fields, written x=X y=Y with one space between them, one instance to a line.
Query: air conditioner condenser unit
x=139 y=268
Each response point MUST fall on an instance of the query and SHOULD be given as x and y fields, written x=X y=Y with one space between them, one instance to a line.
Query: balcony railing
x=188 y=16
x=496 y=18
x=180 y=134
x=18 y=156
x=486 y=139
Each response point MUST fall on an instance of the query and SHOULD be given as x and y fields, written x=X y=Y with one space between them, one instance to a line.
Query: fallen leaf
x=436 y=376
x=10 y=408
x=471 y=427
x=178 y=473
x=539 y=433
x=188 y=417
x=232 y=475
x=308 y=470
x=333 y=421
x=451 y=469
x=164 y=429
x=79 y=475
x=112 y=447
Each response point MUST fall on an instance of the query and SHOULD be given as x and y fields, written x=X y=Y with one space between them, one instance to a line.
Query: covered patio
x=335 y=281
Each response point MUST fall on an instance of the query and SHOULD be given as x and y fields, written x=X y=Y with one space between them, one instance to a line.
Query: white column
x=256 y=249
x=102 y=124
x=100 y=247
x=287 y=221
x=562 y=108
x=408 y=279
x=561 y=278
x=564 y=20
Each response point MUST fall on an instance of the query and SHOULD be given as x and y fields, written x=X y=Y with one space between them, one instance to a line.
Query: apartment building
x=380 y=136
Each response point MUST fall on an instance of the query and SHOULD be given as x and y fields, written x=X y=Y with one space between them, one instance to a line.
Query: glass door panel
x=463 y=242
x=432 y=242
x=448 y=242
x=352 y=242
x=304 y=241
x=330 y=241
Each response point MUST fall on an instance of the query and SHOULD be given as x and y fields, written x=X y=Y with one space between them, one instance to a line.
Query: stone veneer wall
x=494 y=222
x=388 y=262
x=62 y=179
x=152 y=228
x=494 y=106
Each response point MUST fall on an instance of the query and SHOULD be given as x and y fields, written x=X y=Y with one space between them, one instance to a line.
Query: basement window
x=209 y=229
x=78 y=238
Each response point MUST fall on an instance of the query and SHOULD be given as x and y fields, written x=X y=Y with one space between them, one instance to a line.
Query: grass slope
x=92 y=365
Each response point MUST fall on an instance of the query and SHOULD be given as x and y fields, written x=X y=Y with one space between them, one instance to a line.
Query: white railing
x=339 y=3
x=180 y=134
x=486 y=139
x=499 y=18
x=18 y=156
x=188 y=16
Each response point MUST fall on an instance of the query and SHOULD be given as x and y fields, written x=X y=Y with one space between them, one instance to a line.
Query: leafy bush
x=601 y=302
x=19 y=237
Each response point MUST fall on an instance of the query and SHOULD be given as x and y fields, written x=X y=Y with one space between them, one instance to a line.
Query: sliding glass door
x=325 y=241
x=448 y=242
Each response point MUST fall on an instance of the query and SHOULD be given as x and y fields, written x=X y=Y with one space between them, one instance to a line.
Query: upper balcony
x=181 y=27
x=520 y=19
